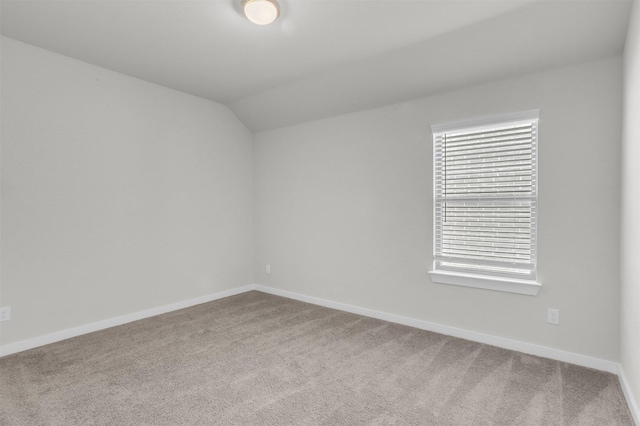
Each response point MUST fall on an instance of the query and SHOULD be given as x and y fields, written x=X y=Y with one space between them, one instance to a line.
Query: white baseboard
x=112 y=322
x=631 y=401
x=528 y=348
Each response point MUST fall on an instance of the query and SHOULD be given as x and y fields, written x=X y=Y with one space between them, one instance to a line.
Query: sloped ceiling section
x=533 y=38
x=321 y=57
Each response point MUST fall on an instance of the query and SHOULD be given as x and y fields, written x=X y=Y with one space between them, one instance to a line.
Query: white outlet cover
x=5 y=313
x=553 y=316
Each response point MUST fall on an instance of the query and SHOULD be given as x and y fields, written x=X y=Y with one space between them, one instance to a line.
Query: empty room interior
x=272 y=212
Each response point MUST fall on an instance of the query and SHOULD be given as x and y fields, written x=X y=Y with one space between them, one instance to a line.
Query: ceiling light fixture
x=261 y=12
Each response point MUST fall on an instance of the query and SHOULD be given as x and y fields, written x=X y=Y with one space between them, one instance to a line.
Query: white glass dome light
x=261 y=12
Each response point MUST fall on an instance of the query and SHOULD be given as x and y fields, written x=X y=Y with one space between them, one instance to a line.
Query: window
x=485 y=203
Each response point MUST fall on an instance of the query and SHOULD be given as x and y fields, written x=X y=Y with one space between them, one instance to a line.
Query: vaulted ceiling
x=321 y=57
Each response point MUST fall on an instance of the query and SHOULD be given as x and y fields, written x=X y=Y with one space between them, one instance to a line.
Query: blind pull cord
x=444 y=182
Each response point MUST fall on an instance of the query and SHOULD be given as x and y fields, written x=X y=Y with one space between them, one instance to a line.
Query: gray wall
x=117 y=195
x=343 y=210
x=630 y=233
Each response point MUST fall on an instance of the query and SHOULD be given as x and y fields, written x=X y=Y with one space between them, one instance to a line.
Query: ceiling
x=321 y=57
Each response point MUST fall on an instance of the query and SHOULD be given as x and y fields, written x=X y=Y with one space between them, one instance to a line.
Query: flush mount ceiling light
x=261 y=12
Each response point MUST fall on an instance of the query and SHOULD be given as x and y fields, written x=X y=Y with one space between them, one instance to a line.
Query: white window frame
x=488 y=279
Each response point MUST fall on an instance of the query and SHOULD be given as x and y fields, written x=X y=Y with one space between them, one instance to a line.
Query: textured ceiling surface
x=321 y=57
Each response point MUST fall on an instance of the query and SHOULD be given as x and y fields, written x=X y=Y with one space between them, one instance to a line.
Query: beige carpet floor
x=258 y=359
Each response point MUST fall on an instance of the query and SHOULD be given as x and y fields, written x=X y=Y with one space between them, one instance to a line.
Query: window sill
x=510 y=285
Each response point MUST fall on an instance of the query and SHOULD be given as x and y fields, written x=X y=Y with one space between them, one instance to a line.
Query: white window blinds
x=485 y=193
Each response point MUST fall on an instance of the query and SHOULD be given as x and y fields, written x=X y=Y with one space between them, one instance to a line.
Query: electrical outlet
x=553 y=316
x=5 y=313
x=268 y=269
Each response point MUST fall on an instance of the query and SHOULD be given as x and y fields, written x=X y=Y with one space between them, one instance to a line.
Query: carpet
x=259 y=359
